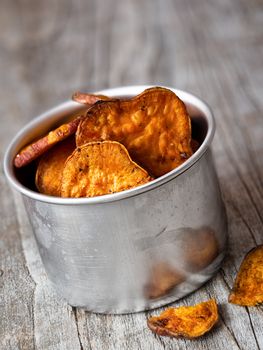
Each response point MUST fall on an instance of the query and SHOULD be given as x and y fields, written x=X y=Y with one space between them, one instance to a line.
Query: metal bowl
x=137 y=249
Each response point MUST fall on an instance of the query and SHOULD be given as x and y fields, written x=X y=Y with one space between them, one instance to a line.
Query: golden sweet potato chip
x=248 y=286
x=185 y=321
x=51 y=165
x=99 y=168
x=88 y=99
x=163 y=278
x=154 y=127
x=39 y=147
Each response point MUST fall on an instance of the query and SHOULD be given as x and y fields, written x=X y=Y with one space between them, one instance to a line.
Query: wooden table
x=211 y=48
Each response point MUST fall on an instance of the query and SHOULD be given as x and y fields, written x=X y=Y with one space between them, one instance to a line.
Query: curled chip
x=154 y=127
x=51 y=165
x=88 y=99
x=248 y=286
x=185 y=321
x=99 y=168
x=39 y=147
x=163 y=278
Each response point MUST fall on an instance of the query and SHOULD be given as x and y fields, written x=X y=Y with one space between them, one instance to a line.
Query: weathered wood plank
x=16 y=285
x=53 y=320
x=213 y=49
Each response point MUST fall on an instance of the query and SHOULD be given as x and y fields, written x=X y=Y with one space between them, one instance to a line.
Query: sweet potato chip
x=163 y=278
x=39 y=147
x=154 y=127
x=185 y=321
x=99 y=168
x=88 y=99
x=51 y=165
x=248 y=286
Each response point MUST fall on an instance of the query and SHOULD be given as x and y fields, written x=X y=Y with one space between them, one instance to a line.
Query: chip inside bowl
x=42 y=145
x=154 y=126
x=51 y=165
x=153 y=129
x=88 y=99
x=99 y=168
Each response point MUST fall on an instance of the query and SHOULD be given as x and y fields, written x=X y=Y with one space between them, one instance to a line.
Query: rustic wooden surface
x=212 y=48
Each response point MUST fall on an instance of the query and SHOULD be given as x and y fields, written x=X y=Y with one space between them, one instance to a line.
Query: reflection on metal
x=110 y=254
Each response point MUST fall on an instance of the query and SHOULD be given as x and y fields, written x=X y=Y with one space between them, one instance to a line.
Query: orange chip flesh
x=88 y=99
x=154 y=127
x=185 y=321
x=51 y=165
x=99 y=168
x=39 y=147
x=248 y=286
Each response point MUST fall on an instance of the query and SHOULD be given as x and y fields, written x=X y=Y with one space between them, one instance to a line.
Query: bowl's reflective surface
x=132 y=251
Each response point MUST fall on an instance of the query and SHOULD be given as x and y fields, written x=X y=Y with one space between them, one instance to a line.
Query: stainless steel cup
x=137 y=249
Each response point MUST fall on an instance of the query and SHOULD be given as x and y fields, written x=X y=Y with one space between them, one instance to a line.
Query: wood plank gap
x=230 y=332
x=74 y=310
x=160 y=340
x=251 y=324
x=246 y=93
x=33 y=318
x=244 y=222
x=232 y=159
x=222 y=275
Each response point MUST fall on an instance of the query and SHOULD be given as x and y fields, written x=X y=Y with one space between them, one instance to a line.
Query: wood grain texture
x=211 y=48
